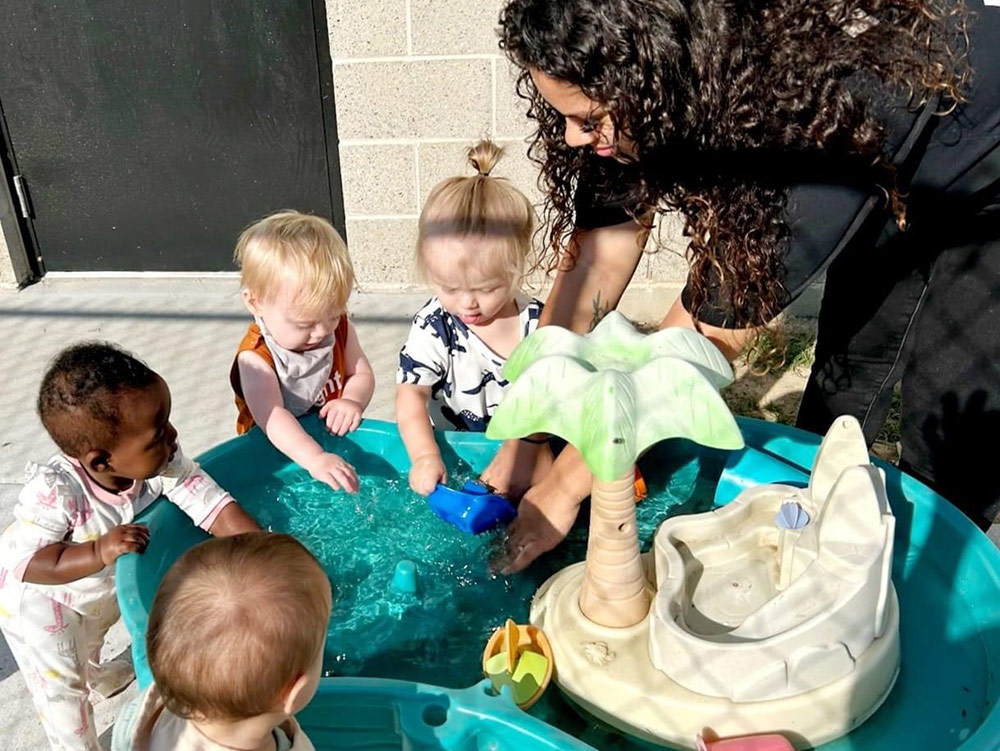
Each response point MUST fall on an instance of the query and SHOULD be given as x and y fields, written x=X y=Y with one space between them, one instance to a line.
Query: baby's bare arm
x=263 y=397
x=359 y=381
x=64 y=562
x=414 y=421
x=233 y=520
x=426 y=466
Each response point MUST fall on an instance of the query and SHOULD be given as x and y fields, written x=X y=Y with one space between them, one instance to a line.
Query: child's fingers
x=349 y=480
x=415 y=484
x=345 y=424
x=431 y=484
x=332 y=420
x=429 y=480
x=134 y=535
x=436 y=474
x=340 y=417
x=418 y=484
x=134 y=538
x=131 y=546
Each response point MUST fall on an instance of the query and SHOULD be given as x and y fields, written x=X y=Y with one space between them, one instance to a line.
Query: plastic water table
x=946 y=572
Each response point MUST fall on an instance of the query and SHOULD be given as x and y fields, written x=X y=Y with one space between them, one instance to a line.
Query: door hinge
x=21 y=188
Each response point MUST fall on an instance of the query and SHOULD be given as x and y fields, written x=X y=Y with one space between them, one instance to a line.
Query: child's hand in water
x=125 y=538
x=334 y=471
x=426 y=472
x=342 y=415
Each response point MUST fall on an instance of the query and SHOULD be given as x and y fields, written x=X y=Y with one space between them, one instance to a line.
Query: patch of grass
x=892 y=430
x=887 y=442
x=781 y=347
x=745 y=404
x=741 y=403
x=801 y=351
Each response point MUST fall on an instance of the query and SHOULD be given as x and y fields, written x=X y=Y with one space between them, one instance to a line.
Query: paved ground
x=185 y=329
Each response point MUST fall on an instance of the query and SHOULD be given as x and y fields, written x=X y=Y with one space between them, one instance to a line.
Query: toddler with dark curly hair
x=109 y=415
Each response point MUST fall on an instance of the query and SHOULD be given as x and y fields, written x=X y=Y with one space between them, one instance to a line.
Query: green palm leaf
x=611 y=416
x=616 y=345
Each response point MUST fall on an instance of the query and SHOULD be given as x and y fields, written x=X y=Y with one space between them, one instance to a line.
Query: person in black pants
x=860 y=138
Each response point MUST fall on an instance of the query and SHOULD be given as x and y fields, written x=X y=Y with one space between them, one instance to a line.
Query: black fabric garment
x=924 y=309
x=922 y=306
x=955 y=158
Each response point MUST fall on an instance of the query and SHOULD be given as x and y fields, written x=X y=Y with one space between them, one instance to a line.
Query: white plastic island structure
x=773 y=614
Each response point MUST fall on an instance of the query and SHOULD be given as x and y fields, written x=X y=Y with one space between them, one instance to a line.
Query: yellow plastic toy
x=519 y=656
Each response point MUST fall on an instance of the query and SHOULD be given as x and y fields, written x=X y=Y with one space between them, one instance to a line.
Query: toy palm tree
x=612 y=394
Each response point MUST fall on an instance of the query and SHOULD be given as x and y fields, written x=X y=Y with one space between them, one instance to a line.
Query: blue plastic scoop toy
x=473 y=509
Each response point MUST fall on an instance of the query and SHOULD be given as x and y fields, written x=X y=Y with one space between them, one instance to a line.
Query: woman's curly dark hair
x=710 y=92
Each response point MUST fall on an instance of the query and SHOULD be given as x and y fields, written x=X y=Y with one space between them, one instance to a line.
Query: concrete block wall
x=416 y=82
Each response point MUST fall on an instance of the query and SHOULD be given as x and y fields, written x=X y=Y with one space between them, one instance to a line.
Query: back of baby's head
x=296 y=254
x=480 y=207
x=235 y=621
x=80 y=398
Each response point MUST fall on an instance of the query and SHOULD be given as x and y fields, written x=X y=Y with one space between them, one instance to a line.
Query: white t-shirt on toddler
x=464 y=374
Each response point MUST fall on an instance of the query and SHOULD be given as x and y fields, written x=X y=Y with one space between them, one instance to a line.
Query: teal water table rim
x=777 y=443
x=461 y=714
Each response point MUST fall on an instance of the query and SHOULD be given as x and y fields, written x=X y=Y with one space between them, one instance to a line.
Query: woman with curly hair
x=860 y=138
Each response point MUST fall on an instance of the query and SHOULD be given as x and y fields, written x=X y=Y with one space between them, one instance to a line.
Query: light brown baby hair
x=297 y=253
x=483 y=207
x=235 y=621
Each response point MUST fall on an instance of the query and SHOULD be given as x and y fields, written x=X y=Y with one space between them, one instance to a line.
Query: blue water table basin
x=946 y=572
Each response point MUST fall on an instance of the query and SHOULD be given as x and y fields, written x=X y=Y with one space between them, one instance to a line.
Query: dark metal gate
x=145 y=136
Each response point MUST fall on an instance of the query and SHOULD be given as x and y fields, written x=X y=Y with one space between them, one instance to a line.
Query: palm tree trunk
x=614 y=589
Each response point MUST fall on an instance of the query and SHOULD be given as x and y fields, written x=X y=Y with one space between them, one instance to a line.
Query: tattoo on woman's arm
x=599 y=311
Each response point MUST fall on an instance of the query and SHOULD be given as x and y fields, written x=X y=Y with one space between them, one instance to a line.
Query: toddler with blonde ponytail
x=474 y=239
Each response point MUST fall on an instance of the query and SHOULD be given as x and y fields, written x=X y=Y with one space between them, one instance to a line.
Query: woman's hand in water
x=342 y=416
x=334 y=471
x=517 y=466
x=426 y=472
x=547 y=511
x=544 y=518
